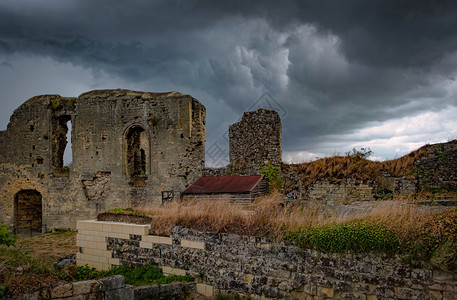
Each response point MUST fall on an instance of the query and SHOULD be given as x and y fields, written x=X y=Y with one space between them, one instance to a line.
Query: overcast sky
x=342 y=74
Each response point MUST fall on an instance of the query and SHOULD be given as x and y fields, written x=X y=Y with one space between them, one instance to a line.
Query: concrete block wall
x=91 y=240
x=260 y=268
x=94 y=249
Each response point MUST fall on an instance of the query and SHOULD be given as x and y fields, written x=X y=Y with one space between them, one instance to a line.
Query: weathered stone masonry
x=260 y=267
x=255 y=141
x=127 y=148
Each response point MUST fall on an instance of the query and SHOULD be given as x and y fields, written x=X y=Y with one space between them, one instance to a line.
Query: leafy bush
x=6 y=237
x=384 y=195
x=272 y=177
x=55 y=103
x=3 y=290
x=356 y=236
x=363 y=153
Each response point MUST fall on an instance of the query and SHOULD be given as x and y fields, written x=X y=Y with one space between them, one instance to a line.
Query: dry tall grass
x=268 y=216
x=403 y=218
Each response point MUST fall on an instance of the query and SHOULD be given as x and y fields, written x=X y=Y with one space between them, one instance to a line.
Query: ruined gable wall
x=25 y=163
x=26 y=137
x=174 y=125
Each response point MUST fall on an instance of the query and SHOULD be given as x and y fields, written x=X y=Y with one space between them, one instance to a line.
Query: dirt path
x=49 y=247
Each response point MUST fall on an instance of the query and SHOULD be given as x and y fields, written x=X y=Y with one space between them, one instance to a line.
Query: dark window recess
x=39 y=160
x=28 y=212
x=136 y=152
x=167 y=195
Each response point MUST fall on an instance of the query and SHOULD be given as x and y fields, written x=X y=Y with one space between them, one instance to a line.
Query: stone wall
x=255 y=140
x=347 y=191
x=112 y=288
x=437 y=169
x=127 y=148
x=259 y=267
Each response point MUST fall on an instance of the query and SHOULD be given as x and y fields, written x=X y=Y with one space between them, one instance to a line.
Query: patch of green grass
x=15 y=258
x=20 y=273
x=127 y=211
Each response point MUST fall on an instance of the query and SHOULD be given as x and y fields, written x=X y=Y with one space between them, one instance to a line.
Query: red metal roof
x=223 y=184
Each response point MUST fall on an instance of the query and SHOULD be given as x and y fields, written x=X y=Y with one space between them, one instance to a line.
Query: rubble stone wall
x=438 y=169
x=112 y=287
x=259 y=267
x=255 y=141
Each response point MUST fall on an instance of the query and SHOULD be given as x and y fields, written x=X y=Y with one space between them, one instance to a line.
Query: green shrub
x=363 y=153
x=86 y=273
x=355 y=236
x=153 y=120
x=55 y=103
x=272 y=177
x=384 y=195
x=6 y=237
x=3 y=290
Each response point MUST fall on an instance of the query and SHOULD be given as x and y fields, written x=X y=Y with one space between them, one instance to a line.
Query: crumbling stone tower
x=255 y=141
x=127 y=148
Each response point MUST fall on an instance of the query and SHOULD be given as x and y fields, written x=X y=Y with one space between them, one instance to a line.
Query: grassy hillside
x=354 y=165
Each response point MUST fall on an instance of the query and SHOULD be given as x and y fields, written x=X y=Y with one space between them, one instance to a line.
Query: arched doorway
x=28 y=215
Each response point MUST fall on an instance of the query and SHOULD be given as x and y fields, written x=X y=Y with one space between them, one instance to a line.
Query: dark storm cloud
x=334 y=65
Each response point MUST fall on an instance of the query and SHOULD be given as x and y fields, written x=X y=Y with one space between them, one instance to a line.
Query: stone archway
x=28 y=212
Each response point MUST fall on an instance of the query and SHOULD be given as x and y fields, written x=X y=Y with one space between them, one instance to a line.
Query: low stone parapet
x=258 y=267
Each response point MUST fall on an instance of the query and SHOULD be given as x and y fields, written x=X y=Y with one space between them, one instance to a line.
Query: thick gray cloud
x=336 y=67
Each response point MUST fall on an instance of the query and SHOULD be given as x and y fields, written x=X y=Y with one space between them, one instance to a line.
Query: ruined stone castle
x=128 y=148
x=136 y=148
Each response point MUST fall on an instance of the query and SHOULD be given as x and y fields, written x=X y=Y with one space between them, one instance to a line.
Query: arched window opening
x=61 y=137
x=137 y=152
x=28 y=212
